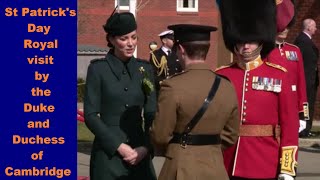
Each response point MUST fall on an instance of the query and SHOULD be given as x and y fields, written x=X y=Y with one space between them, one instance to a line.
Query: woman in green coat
x=119 y=106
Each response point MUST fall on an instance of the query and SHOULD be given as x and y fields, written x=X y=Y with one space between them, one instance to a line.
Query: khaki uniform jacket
x=180 y=98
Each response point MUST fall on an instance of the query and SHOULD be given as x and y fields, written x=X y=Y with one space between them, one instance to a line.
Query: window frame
x=121 y=7
x=182 y=9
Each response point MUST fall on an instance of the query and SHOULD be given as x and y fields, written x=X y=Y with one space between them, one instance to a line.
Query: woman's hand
x=140 y=153
x=125 y=150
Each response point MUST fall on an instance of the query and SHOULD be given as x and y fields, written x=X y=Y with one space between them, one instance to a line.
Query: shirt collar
x=165 y=50
x=279 y=44
x=307 y=34
x=251 y=64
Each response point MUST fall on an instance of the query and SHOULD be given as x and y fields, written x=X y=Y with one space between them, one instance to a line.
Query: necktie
x=169 y=52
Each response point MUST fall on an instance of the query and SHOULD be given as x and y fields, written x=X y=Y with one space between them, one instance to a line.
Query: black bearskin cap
x=249 y=21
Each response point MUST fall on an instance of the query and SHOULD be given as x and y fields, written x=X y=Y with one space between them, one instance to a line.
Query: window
x=123 y=4
x=187 y=5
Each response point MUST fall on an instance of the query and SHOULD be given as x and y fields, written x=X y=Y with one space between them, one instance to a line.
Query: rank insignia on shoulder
x=291 y=55
x=266 y=84
x=277 y=66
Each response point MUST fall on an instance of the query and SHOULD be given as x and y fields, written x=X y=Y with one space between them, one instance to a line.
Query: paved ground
x=309 y=161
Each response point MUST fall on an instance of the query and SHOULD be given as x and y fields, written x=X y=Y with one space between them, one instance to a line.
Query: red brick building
x=153 y=16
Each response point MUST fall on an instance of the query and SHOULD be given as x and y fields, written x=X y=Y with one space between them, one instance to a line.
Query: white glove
x=285 y=177
x=303 y=125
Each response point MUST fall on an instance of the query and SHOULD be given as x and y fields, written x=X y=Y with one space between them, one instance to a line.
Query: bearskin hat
x=249 y=21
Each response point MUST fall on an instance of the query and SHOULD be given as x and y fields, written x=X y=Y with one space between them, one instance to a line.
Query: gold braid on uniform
x=162 y=66
x=288 y=160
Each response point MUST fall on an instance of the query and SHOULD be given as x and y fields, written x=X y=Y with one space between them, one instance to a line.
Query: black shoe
x=303 y=134
x=311 y=134
x=306 y=135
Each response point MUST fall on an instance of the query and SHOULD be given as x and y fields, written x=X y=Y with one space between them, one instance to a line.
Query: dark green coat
x=113 y=103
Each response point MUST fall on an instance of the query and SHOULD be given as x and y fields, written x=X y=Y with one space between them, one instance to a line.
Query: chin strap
x=248 y=56
x=288 y=160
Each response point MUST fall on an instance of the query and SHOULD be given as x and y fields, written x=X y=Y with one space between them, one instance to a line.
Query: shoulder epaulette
x=291 y=44
x=277 y=66
x=225 y=66
x=177 y=74
x=97 y=60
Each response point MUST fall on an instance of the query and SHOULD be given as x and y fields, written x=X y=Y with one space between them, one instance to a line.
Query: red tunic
x=289 y=56
x=267 y=103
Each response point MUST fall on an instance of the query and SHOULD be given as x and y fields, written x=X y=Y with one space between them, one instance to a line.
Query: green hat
x=120 y=24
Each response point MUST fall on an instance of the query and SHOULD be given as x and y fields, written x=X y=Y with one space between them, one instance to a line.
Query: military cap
x=166 y=34
x=249 y=21
x=190 y=32
x=119 y=24
x=285 y=14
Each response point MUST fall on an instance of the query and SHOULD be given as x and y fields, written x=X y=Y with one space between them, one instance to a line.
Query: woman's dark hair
x=110 y=45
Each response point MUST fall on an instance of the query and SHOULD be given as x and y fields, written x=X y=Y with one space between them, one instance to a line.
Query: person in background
x=310 y=55
x=118 y=89
x=164 y=62
x=268 y=140
x=192 y=138
x=289 y=56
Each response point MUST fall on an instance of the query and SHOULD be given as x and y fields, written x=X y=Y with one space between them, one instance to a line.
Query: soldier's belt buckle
x=183 y=146
x=183 y=141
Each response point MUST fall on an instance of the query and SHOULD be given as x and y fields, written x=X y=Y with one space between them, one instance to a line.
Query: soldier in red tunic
x=268 y=139
x=289 y=56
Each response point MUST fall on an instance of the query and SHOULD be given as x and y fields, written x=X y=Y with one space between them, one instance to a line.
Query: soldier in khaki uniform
x=194 y=152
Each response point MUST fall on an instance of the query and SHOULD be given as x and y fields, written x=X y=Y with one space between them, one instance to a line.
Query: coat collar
x=198 y=66
x=118 y=67
x=251 y=64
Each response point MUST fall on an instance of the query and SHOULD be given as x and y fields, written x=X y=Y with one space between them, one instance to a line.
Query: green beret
x=120 y=24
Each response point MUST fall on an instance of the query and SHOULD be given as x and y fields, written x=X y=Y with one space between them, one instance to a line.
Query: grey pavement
x=83 y=164
x=308 y=167
x=308 y=163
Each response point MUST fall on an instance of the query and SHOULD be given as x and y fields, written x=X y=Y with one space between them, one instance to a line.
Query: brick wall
x=152 y=19
x=158 y=14
x=92 y=14
x=308 y=9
